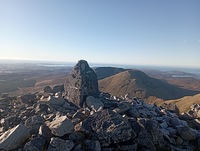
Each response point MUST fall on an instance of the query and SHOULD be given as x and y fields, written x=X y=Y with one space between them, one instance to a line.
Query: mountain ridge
x=137 y=84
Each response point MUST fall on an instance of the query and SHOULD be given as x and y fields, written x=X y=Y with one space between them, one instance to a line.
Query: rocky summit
x=81 y=82
x=87 y=121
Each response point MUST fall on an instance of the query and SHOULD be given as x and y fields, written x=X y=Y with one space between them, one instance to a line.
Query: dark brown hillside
x=138 y=84
x=104 y=72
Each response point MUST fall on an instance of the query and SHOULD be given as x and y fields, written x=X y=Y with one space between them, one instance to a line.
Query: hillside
x=104 y=72
x=138 y=84
x=184 y=103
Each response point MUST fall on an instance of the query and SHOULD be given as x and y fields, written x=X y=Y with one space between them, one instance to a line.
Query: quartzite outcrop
x=81 y=82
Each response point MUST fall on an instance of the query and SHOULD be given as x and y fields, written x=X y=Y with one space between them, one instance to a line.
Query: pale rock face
x=81 y=82
x=61 y=126
x=14 y=137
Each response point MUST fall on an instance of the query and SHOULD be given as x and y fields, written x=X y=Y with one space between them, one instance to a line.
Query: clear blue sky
x=136 y=32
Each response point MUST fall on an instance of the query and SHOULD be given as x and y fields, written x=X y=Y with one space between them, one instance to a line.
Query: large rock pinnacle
x=81 y=82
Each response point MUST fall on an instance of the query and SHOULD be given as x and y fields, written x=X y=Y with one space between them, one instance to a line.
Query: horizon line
x=21 y=60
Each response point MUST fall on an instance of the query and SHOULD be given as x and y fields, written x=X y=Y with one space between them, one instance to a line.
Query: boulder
x=123 y=107
x=76 y=137
x=59 y=101
x=41 y=108
x=92 y=145
x=61 y=126
x=133 y=112
x=36 y=144
x=28 y=98
x=8 y=121
x=34 y=122
x=109 y=127
x=58 y=88
x=45 y=132
x=48 y=89
x=130 y=146
x=14 y=137
x=57 y=144
x=81 y=82
x=175 y=122
x=94 y=103
x=186 y=133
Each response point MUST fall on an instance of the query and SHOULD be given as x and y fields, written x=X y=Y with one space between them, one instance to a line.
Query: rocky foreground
x=76 y=117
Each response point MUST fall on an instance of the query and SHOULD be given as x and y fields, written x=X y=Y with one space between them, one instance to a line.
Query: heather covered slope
x=138 y=84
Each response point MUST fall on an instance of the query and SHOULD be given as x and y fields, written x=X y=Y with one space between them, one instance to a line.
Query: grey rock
x=131 y=146
x=59 y=101
x=108 y=126
x=28 y=98
x=92 y=145
x=144 y=140
x=48 y=89
x=108 y=149
x=34 y=122
x=163 y=125
x=61 y=126
x=76 y=137
x=58 y=88
x=123 y=107
x=186 y=133
x=133 y=112
x=179 y=140
x=81 y=82
x=57 y=144
x=40 y=108
x=175 y=122
x=94 y=103
x=110 y=104
x=79 y=114
x=150 y=135
x=14 y=137
x=155 y=133
x=78 y=148
x=172 y=131
x=8 y=121
x=36 y=144
x=45 y=132
x=144 y=112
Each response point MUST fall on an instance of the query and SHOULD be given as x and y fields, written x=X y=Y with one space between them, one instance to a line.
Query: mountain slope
x=184 y=103
x=104 y=72
x=138 y=84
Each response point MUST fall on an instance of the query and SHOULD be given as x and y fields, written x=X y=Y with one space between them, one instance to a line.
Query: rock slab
x=61 y=126
x=14 y=137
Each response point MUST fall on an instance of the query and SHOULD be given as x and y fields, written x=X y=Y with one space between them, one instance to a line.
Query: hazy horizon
x=146 y=32
x=93 y=64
